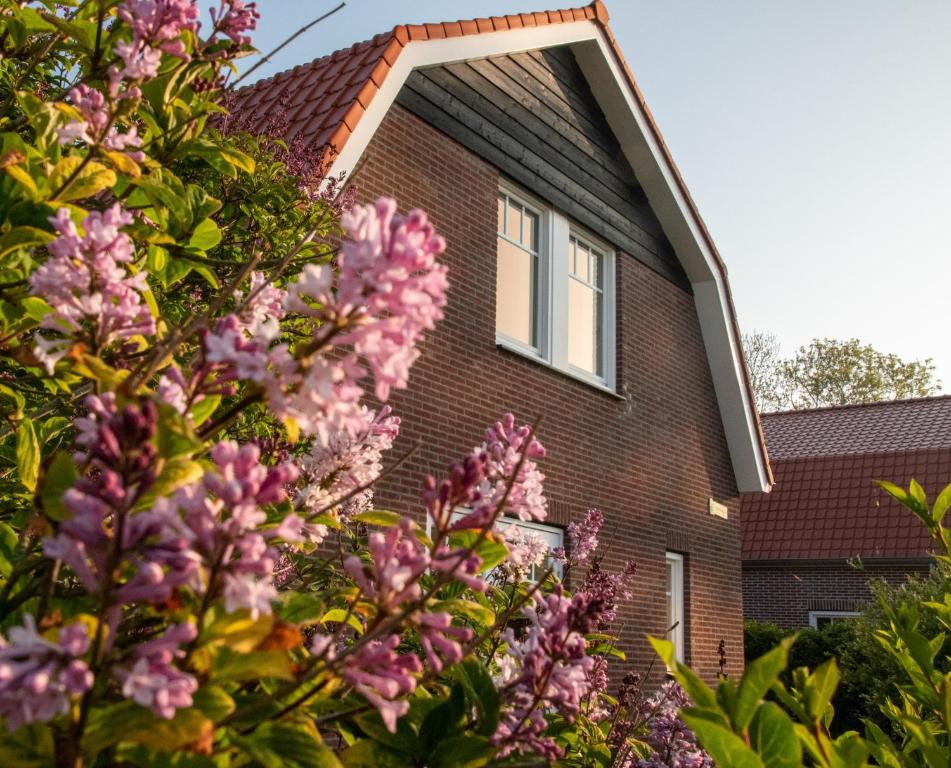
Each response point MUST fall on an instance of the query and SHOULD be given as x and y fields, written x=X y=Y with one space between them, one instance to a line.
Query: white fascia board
x=629 y=121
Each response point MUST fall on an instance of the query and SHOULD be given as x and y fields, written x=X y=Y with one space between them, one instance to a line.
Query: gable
x=338 y=102
x=532 y=115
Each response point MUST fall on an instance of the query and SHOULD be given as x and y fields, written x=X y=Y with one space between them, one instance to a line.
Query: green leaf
x=724 y=746
x=8 y=546
x=239 y=667
x=300 y=608
x=341 y=615
x=466 y=750
x=378 y=517
x=214 y=702
x=204 y=408
x=445 y=720
x=30 y=746
x=60 y=477
x=481 y=693
x=941 y=504
x=699 y=691
x=89 y=178
x=819 y=689
x=205 y=236
x=278 y=745
x=28 y=454
x=127 y=721
x=371 y=754
x=758 y=678
x=774 y=739
x=24 y=237
x=405 y=740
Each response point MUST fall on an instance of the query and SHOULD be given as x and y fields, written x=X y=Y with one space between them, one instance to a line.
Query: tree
x=829 y=372
x=764 y=365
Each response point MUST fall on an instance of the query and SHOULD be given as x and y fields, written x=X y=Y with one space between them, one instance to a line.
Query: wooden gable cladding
x=533 y=116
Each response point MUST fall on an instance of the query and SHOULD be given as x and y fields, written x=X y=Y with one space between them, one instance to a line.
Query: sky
x=815 y=137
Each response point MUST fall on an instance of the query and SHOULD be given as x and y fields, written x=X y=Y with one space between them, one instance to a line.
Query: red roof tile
x=900 y=425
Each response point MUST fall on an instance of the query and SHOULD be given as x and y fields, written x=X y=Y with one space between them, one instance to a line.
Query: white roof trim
x=630 y=123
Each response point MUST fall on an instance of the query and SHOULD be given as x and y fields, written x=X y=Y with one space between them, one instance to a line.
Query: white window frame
x=674 y=594
x=814 y=616
x=555 y=231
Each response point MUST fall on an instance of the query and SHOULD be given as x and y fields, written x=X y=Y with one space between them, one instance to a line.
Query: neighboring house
x=811 y=546
x=585 y=290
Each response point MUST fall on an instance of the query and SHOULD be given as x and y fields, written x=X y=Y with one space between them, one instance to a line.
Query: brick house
x=585 y=290
x=825 y=514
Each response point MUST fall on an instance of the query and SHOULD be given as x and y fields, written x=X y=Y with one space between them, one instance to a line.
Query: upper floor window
x=554 y=290
x=517 y=288
x=675 y=602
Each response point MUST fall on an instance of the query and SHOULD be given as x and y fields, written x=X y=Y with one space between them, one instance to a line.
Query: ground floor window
x=819 y=619
x=675 y=602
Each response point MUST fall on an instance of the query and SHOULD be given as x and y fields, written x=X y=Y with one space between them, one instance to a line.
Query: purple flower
x=333 y=472
x=378 y=673
x=235 y=17
x=397 y=560
x=38 y=676
x=440 y=639
x=584 y=536
x=551 y=669
x=87 y=286
x=151 y=680
x=672 y=742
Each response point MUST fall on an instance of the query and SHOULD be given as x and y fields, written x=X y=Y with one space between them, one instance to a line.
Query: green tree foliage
x=831 y=372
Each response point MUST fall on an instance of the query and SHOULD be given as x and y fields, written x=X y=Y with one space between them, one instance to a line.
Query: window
x=675 y=602
x=519 y=272
x=553 y=536
x=585 y=306
x=554 y=290
x=819 y=619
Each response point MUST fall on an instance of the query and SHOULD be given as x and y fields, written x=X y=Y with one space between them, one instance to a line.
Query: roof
x=829 y=508
x=338 y=101
x=899 y=425
x=825 y=503
x=325 y=99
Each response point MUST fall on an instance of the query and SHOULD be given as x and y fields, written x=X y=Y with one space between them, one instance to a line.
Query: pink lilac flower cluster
x=234 y=18
x=157 y=27
x=152 y=680
x=85 y=282
x=95 y=125
x=391 y=580
x=549 y=667
x=378 y=672
x=223 y=523
x=511 y=481
x=119 y=460
x=608 y=588
x=388 y=290
x=38 y=676
x=583 y=536
x=674 y=745
x=337 y=474
x=527 y=550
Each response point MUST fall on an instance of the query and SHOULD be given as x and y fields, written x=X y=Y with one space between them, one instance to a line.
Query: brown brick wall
x=785 y=594
x=650 y=459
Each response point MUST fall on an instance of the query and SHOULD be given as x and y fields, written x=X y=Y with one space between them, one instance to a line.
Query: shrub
x=759 y=637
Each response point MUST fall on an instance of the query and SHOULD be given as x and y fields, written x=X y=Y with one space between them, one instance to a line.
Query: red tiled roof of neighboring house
x=828 y=507
x=900 y=425
x=324 y=100
x=825 y=503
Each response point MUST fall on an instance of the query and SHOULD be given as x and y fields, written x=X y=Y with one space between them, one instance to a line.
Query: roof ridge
x=850 y=406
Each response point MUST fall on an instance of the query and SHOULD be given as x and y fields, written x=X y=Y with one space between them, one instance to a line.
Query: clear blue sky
x=814 y=135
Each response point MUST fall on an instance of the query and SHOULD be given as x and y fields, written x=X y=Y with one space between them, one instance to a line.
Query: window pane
x=581 y=262
x=513 y=227
x=515 y=294
x=501 y=228
x=584 y=327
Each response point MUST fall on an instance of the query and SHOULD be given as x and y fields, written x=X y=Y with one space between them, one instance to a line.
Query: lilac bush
x=193 y=322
